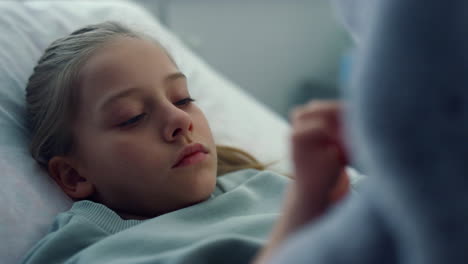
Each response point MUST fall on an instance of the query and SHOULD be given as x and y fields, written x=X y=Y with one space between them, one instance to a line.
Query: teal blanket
x=230 y=227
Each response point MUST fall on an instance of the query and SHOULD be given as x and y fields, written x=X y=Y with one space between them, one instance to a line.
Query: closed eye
x=185 y=101
x=132 y=120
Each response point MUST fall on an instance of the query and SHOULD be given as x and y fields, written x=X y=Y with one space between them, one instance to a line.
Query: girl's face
x=134 y=119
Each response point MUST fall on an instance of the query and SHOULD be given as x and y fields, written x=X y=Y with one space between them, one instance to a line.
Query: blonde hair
x=51 y=96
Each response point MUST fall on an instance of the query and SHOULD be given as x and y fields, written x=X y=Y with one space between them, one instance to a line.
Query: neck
x=126 y=216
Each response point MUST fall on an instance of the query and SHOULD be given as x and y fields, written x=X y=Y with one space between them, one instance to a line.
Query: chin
x=205 y=189
x=198 y=184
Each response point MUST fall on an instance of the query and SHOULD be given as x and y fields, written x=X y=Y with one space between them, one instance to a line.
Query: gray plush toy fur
x=407 y=121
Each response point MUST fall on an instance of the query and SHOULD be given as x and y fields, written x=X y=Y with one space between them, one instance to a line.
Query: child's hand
x=318 y=154
x=319 y=159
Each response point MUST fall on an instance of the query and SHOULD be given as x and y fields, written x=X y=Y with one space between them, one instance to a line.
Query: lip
x=192 y=153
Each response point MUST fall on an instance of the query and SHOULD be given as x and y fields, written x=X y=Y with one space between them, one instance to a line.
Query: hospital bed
x=29 y=198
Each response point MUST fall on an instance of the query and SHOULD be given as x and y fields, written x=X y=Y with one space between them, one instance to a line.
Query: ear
x=65 y=173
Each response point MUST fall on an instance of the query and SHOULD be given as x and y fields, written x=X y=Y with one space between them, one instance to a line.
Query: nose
x=179 y=125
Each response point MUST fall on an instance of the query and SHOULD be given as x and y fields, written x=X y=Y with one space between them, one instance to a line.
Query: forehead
x=121 y=63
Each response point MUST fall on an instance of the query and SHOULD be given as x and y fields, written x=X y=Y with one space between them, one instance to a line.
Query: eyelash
x=136 y=119
x=185 y=101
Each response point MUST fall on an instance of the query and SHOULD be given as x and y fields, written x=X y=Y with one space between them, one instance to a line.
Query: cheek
x=203 y=125
x=125 y=155
x=123 y=150
x=204 y=132
x=137 y=152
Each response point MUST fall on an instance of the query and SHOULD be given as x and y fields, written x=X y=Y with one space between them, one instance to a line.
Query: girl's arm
x=319 y=161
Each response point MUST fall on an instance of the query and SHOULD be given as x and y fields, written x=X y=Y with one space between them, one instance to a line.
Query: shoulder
x=70 y=233
x=75 y=230
x=77 y=219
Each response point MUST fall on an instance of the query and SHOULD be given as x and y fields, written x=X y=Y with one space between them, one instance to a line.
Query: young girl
x=113 y=122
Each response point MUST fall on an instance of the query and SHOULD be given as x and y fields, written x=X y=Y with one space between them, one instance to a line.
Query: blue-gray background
x=281 y=52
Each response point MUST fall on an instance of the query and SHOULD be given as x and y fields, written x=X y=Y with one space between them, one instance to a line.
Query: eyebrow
x=129 y=91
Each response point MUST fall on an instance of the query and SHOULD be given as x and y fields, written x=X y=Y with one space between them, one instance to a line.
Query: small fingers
x=313 y=132
x=316 y=125
x=325 y=109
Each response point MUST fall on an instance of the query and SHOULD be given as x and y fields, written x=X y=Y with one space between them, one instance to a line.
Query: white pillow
x=29 y=199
